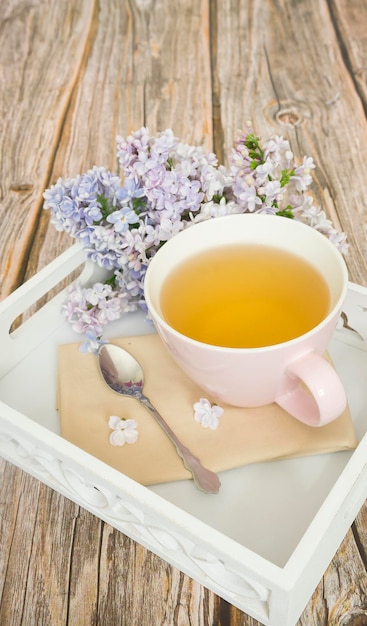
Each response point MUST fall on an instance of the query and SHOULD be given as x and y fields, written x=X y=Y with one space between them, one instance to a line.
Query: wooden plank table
x=75 y=73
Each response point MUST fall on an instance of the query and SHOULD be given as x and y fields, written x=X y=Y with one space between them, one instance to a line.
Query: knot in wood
x=21 y=187
x=289 y=117
x=354 y=618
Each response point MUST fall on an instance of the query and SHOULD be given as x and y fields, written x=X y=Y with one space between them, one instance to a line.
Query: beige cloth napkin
x=244 y=435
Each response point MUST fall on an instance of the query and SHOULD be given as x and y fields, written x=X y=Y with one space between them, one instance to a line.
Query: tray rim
x=289 y=586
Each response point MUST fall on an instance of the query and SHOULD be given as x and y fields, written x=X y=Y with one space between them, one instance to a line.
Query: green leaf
x=285 y=177
x=217 y=198
x=255 y=151
x=111 y=281
x=139 y=205
x=286 y=212
x=104 y=206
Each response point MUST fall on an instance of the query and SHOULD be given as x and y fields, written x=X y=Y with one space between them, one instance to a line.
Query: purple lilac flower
x=91 y=308
x=74 y=203
x=122 y=219
x=130 y=190
x=91 y=343
x=169 y=186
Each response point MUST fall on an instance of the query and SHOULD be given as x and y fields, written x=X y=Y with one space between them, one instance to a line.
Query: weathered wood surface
x=73 y=75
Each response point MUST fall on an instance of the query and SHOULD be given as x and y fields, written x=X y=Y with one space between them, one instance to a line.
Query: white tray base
x=262 y=543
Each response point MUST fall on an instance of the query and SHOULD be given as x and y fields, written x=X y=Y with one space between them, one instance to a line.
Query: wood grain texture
x=61 y=565
x=340 y=599
x=73 y=75
x=36 y=38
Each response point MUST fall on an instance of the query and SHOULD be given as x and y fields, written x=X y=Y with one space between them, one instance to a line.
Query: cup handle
x=326 y=400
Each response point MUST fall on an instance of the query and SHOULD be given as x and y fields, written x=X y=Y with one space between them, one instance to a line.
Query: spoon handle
x=204 y=479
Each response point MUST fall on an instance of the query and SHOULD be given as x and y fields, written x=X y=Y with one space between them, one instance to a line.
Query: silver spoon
x=124 y=375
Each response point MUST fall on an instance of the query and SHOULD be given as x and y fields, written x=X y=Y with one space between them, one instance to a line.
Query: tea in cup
x=246 y=305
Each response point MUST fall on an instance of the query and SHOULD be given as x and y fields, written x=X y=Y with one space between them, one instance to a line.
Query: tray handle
x=15 y=345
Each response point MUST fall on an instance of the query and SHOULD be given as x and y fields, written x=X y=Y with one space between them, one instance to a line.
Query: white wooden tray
x=264 y=542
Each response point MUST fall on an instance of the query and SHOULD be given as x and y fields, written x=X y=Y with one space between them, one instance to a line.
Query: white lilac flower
x=316 y=217
x=248 y=195
x=96 y=294
x=151 y=235
x=275 y=145
x=172 y=211
x=216 y=209
x=264 y=170
x=272 y=192
x=207 y=414
x=168 y=229
x=339 y=240
x=110 y=309
x=123 y=430
x=164 y=144
x=215 y=180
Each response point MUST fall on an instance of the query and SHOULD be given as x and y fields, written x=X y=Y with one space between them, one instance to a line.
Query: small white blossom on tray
x=207 y=414
x=123 y=431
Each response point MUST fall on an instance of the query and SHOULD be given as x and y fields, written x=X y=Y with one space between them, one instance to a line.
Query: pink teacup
x=250 y=377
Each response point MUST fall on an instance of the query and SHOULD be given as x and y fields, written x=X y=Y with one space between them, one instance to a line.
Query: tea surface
x=244 y=296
